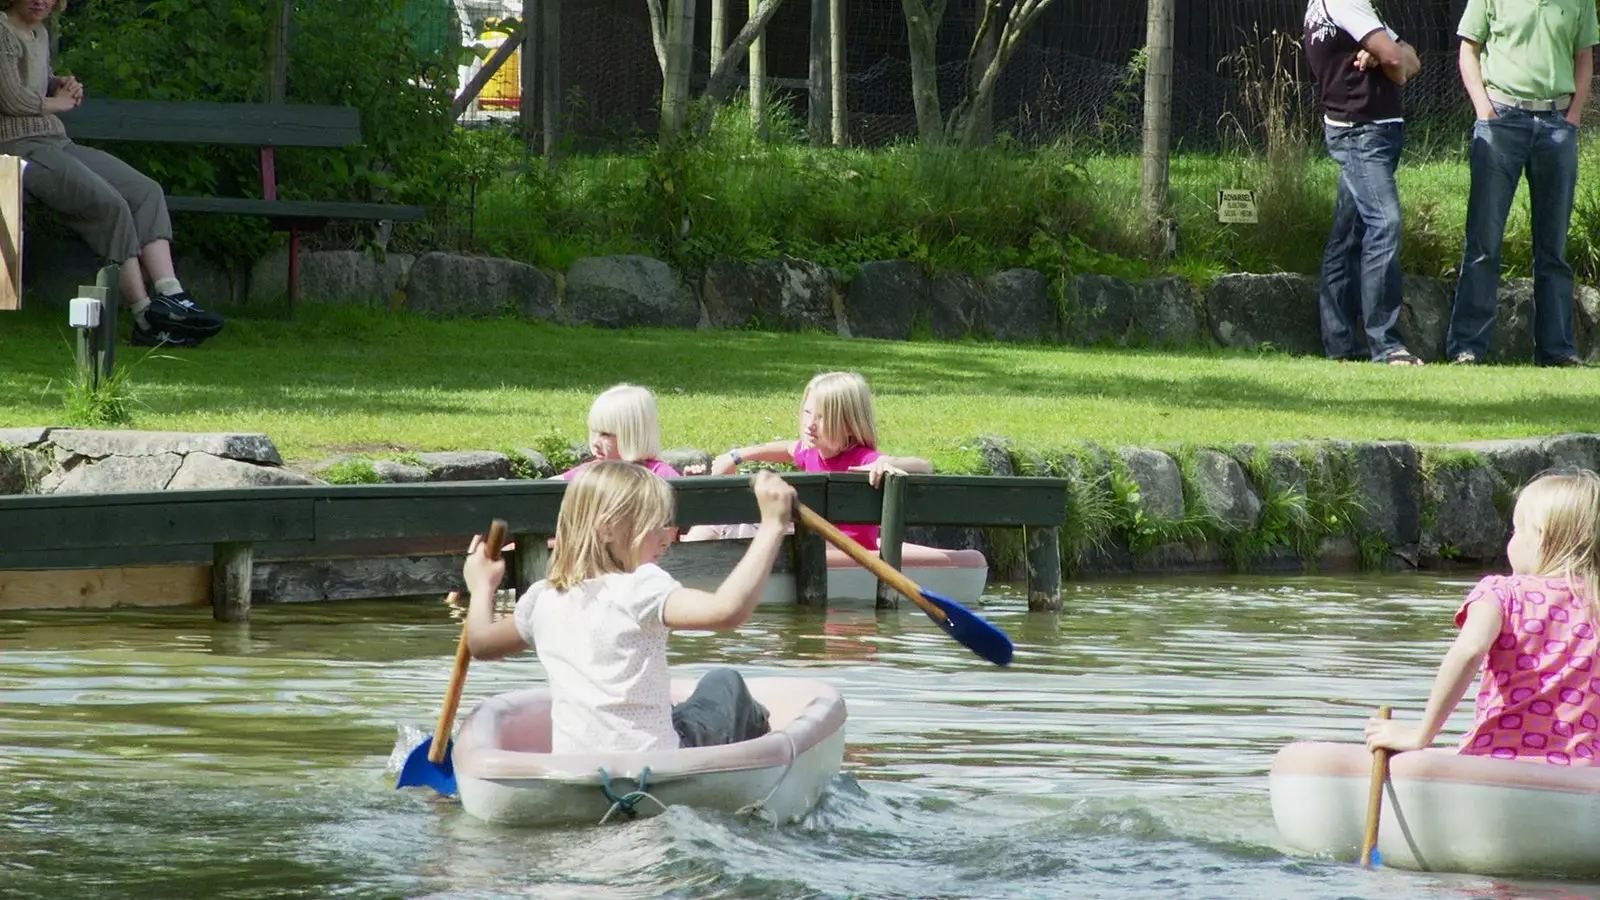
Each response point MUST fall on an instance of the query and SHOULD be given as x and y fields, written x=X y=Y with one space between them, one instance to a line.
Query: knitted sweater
x=24 y=79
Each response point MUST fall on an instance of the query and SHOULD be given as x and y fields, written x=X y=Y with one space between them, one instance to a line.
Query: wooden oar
x=1380 y=774
x=957 y=621
x=430 y=764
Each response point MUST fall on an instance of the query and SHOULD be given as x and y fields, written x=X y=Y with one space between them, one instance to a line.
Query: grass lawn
x=339 y=380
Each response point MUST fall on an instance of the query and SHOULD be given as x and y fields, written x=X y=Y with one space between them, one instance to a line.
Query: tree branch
x=658 y=32
x=720 y=86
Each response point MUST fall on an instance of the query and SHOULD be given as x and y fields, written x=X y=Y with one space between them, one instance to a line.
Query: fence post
x=891 y=534
x=550 y=74
x=719 y=31
x=820 y=93
x=532 y=57
x=758 y=77
x=680 y=57
x=836 y=25
x=1157 y=108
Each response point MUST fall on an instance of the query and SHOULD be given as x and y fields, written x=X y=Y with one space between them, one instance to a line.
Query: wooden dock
x=199 y=547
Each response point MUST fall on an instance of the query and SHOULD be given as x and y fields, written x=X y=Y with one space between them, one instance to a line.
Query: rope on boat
x=759 y=809
x=628 y=802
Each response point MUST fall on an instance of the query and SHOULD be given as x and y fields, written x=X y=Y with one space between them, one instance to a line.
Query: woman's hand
x=1388 y=734
x=877 y=469
x=58 y=103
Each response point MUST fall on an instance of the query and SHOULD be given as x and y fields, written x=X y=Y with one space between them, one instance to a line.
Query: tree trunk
x=966 y=119
x=725 y=75
x=680 y=55
x=658 y=32
x=922 y=33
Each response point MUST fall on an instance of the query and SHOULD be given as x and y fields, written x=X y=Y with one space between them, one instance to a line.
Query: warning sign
x=1236 y=207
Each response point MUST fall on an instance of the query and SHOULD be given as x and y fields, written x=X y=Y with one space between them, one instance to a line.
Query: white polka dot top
x=604 y=647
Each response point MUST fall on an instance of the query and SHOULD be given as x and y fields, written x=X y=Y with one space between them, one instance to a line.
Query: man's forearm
x=1583 y=74
x=1472 y=79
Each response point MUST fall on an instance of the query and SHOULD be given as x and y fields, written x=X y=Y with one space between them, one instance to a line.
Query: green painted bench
x=261 y=125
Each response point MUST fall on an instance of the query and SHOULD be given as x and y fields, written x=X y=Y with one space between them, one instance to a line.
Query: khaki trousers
x=114 y=207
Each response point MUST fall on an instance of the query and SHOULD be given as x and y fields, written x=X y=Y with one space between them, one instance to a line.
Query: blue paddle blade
x=1377 y=858
x=419 y=771
x=971 y=631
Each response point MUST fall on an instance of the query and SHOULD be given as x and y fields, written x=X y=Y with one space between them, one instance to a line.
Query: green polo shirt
x=1528 y=44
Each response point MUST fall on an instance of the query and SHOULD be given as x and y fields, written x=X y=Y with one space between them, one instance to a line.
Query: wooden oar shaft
x=1380 y=774
x=867 y=560
x=458 y=674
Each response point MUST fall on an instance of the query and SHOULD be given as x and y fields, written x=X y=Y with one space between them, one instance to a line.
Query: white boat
x=960 y=575
x=1442 y=812
x=506 y=773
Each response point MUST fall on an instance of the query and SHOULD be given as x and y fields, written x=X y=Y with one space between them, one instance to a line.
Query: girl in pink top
x=1534 y=633
x=838 y=433
x=622 y=425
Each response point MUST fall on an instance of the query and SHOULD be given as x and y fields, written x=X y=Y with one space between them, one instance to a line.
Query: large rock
x=627 y=292
x=781 y=294
x=955 y=306
x=440 y=284
x=398 y=472
x=996 y=454
x=334 y=277
x=1573 y=451
x=1225 y=491
x=883 y=298
x=21 y=470
x=1465 y=517
x=256 y=448
x=1287 y=471
x=1388 y=488
x=1512 y=340
x=1103 y=308
x=1256 y=311
x=684 y=458
x=469 y=465
x=202 y=471
x=1017 y=306
x=1587 y=322
x=114 y=475
x=1160 y=482
x=1168 y=312
x=24 y=437
x=1425 y=317
x=1517 y=460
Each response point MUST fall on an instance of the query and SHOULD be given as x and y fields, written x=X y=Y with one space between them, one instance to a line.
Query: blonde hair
x=629 y=412
x=1565 y=508
x=607 y=500
x=842 y=406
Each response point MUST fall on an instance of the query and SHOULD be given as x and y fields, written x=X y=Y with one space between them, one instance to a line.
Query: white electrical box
x=84 y=312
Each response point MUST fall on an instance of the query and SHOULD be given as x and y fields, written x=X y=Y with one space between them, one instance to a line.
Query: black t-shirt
x=1334 y=29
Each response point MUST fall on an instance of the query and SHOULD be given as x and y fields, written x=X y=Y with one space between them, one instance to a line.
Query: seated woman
x=120 y=213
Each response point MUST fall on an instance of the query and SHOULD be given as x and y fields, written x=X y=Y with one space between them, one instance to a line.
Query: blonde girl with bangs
x=1534 y=633
x=838 y=433
x=600 y=618
x=623 y=425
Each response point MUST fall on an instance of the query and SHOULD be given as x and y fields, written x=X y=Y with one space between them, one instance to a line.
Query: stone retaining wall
x=889 y=299
x=1269 y=507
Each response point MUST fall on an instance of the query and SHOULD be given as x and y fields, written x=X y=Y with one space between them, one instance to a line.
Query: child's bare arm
x=772 y=451
x=733 y=601
x=1456 y=671
x=487 y=638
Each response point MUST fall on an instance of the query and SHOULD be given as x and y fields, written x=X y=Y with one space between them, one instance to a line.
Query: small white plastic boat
x=506 y=773
x=1442 y=812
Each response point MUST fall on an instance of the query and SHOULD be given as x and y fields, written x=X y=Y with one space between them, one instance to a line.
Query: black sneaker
x=178 y=313
x=156 y=336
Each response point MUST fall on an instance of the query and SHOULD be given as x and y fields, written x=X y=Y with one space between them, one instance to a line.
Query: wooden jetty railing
x=231 y=531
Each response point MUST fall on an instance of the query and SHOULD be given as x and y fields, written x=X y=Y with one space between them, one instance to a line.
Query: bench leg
x=231 y=568
x=294 y=268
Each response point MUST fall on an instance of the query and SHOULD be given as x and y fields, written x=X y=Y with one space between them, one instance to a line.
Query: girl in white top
x=599 y=620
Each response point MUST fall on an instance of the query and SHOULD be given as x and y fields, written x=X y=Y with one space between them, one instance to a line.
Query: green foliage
x=1286 y=516
x=88 y=401
x=359 y=53
x=521 y=465
x=557 y=448
x=351 y=471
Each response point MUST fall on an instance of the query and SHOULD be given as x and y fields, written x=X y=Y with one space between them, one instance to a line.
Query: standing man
x=1526 y=65
x=1359 y=65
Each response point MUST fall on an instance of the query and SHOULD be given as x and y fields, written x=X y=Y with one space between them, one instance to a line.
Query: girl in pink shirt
x=1536 y=636
x=622 y=425
x=838 y=433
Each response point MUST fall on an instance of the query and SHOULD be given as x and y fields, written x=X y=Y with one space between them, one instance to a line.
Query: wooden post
x=809 y=558
x=550 y=74
x=11 y=224
x=719 y=31
x=891 y=534
x=758 y=78
x=231 y=568
x=1044 y=569
x=528 y=116
x=680 y=59
x=836 y=26
x=820 y=93
x=105 y=337
x=529 y=560
x=1157 y=108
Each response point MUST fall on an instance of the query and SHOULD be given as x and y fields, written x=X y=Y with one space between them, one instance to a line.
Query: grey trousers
x=114 y=207
x=720 y=711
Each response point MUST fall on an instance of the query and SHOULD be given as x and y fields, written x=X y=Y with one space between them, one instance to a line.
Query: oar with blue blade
x=957 y=621
x=1380 y=774
x=430 y=764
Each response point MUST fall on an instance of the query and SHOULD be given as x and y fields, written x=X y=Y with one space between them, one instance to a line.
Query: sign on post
x=1236 y=207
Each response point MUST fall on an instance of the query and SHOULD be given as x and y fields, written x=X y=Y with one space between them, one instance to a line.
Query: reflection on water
x=156 y=754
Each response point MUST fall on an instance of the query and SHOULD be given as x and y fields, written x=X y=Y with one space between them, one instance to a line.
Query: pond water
x=156 y=754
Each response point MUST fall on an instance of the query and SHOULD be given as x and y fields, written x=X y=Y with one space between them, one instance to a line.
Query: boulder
x=1225 y=492
x=1465 y=517
x=469 y=465
x=202 y=471
x=114 y=475
x=627 y=292
x=883 y=298
x=1573 y=451
x=538 y=464
x=398 y=472
x=1160 y=482
x=955 y=306
x=1017 y=306
x=780 y=294
x=1388 y=487
x=444 y=285
x=22 y=471
x=245 y=447
x=1259 y=311
x=1425 y=316
x=1517 y=460
x=332 y=277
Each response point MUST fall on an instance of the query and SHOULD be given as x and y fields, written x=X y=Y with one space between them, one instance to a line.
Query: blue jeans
x=1361 y=265
x=1545 y=145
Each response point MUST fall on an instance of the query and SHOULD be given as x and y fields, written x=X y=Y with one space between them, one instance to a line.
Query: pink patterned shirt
x=810 y=459
x=1539 y=700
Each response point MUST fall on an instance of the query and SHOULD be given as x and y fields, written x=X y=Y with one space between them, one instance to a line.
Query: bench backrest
x=252 y=124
